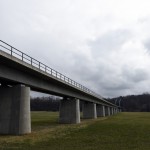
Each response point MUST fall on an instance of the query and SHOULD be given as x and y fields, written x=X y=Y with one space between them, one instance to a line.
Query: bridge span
x=20 y=73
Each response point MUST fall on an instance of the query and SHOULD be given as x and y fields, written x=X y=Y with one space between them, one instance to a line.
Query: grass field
x=124 y=131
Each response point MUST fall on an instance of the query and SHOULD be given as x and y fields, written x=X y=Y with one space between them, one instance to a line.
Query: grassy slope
x=124 y=131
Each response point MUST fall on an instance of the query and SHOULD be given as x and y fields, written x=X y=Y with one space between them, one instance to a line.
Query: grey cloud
x=147 y=45
x=135 y=75
x=126 y=82
x=111 y=41
x=100 y=78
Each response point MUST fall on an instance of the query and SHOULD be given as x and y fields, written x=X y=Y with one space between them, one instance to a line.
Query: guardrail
x=35 y=63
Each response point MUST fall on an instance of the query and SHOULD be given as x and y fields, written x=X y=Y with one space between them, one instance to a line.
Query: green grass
x=124 y=131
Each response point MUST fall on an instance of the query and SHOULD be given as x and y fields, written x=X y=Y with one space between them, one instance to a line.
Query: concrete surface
x=100 y=111
x=15 y=110
x=107 y=111
x=89 y=110
x=69 y=111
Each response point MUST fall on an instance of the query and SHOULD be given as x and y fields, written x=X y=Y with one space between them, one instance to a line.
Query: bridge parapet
x=37 y=65
x=5 y=47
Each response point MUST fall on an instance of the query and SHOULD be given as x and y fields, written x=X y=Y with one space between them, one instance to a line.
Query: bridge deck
x=17 y=67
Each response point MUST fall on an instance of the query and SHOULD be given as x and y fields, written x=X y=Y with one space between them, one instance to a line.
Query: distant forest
x=130 y=103
x=133 y=103
x=50 y=103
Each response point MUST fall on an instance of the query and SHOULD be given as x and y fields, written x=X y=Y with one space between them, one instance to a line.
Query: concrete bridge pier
x=15 y=110
x=69 y=111
x=116 y=110
x=100 y=110
x=89 y=110
x=111 y=111
x=107 y=110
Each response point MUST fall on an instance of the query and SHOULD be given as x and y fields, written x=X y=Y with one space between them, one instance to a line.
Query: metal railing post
x=45 y=68
x=56 y=74
x=11 y=51
x=39 y=65
x=22 y=56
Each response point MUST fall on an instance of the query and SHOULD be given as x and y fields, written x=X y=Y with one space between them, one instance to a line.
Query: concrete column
x=107 y=110
x=100 y=110
x=114 y=110
x=111 y=111
x=15 y=110
x=117 y=110
x=89 y=110
x=69 y=111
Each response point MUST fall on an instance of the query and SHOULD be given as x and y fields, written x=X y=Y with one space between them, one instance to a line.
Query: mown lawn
x=124 y=131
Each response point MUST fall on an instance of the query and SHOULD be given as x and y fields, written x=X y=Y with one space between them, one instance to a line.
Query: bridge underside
x=14 y=76
x=14 y=72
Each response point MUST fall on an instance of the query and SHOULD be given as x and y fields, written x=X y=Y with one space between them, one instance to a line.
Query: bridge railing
x=42 y=67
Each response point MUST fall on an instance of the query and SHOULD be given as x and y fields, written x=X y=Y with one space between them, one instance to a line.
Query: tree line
x=130 y=103
x=50 y=103
x=133 y=103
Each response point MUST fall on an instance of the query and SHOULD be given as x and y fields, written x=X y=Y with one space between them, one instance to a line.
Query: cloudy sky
x=102 y=44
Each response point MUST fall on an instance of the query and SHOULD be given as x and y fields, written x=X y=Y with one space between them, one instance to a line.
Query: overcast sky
x=102 y=44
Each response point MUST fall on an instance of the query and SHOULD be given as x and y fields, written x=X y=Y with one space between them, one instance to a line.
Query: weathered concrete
x=15 y=110
x=100 y=111
x=69 y=111
x=111 y=111
x=116 y=110
x=89 y=110
x=107 y=111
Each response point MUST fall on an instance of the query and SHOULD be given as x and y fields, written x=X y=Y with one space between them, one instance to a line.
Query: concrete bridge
x=20 y=73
